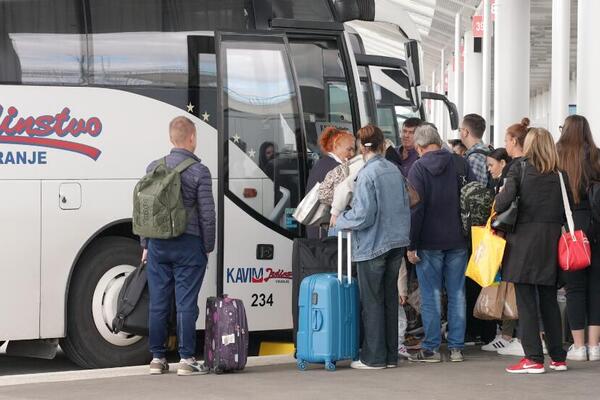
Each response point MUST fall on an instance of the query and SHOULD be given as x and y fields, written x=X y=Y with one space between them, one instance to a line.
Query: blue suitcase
x=328 y=320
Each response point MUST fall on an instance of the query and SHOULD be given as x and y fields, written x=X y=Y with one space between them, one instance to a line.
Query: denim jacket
x=380 y=214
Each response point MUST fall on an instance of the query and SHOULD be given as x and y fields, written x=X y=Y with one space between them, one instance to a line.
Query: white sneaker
x=359 y=365
x=514 y=348
x=403 y=351
x=498 y=343
x=594 y=353
x=190 y=366
x=577 y=353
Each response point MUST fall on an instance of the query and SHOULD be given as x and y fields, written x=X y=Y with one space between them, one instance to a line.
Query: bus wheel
x=92 y=305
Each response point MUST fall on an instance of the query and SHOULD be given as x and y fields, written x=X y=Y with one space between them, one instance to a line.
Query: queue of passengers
x=370 y=193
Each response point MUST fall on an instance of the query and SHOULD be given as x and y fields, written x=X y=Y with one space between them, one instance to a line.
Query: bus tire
x=94 y=286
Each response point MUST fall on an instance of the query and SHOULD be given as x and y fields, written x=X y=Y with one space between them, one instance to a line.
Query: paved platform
x=480 y=377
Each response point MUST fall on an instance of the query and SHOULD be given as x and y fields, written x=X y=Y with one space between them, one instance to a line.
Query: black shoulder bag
x=507 y=221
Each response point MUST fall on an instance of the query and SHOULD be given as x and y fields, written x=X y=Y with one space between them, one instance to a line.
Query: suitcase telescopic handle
x=348 y=257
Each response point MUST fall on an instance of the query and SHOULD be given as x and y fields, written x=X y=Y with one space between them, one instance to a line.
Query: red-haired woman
x=337 y=147
x=578 y=157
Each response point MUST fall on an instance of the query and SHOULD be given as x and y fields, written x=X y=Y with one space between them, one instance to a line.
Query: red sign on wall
x=477 y=26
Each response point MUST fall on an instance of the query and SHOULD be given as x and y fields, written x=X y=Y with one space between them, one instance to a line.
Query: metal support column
x=511 y=65
x=458 y=70
x=561 y=36
x=486 y=74
x=588 y=63
x=472 y=93
x=442 y=114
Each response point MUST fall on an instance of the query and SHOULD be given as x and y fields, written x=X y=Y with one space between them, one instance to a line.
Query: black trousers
x=529 y=328
x=378 y=284
x=583 y=293
x=486 y=330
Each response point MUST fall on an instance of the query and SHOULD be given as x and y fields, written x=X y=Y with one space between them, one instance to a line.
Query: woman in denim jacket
x=380 y=223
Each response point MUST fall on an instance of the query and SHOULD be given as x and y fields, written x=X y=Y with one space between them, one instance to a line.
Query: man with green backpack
x=174 y=214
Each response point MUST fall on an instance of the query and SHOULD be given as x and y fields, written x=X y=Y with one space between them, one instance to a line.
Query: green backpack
x=475 y=205
x=158 y=210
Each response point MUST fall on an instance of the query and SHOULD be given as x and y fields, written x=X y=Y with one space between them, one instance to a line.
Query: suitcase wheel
x=302 y=365
x=330 y=366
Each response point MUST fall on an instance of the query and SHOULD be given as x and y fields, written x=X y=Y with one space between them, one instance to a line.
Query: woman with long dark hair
x=498 y=163
x=578 y=157
x=266 y=157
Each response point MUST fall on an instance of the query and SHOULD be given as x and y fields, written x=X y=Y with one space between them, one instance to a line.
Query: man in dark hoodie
x=437 y=245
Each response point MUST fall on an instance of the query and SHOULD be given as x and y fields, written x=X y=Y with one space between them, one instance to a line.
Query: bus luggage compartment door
x=20 y=216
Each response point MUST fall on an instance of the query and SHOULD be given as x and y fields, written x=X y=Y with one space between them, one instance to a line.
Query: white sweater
x=343 y=192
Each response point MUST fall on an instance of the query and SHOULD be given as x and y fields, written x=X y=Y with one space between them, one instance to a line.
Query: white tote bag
x=308 y=206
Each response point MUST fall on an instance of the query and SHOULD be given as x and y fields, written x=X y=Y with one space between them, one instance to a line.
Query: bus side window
x=385 y=120
x=42 y=42
x=143 y=43
x=312 y=10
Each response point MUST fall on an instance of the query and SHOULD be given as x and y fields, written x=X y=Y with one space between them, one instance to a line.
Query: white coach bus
x=87 y=89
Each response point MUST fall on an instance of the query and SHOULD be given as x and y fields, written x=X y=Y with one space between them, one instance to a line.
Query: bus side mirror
x=413 y=65
x=452 y=111
x=413 y=62
x=348 y=10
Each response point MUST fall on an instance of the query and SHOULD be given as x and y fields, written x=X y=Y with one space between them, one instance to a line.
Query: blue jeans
x=437 y=269
x=175 y=265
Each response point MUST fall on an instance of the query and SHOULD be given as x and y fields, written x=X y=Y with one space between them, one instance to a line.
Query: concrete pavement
x=481 y=377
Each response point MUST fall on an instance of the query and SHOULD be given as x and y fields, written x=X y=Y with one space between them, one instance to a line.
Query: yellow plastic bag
x=488 y=250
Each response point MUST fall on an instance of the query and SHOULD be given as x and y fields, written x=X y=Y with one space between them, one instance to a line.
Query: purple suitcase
x=226 y=335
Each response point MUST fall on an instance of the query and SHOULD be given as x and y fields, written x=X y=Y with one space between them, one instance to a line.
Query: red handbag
x=574 y=251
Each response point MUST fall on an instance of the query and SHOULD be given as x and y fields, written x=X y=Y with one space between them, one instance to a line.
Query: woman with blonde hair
x=530 y=258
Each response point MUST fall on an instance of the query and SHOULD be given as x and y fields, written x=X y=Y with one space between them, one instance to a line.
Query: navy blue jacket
x=435 y=221
x=320 y=170
x=196 y=184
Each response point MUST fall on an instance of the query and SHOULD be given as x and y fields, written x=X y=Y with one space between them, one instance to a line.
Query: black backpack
x=490 y=178
x=133 y=304
x=593 y=193
x=460 y=165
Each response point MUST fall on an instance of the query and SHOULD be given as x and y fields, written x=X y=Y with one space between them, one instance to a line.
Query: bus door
x=261 y=165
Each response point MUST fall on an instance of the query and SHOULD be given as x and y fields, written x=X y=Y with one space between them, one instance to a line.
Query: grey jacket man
x=196 y=184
